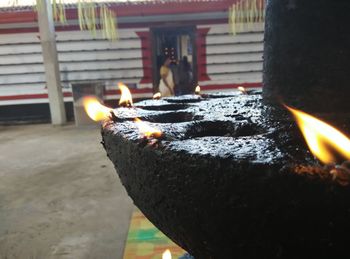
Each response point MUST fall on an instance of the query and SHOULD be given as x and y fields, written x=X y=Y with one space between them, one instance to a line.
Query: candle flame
x=242 y=90
x=197 y=90
x=146 y=130
x=95 y=110
x=125 y=98
x=157 y=96
x=321 y=137
x=167 y=254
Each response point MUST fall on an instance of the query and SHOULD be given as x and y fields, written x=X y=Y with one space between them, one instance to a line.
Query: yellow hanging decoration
x=81 y=15
x=87 y=12
x=108 y=23
x=38 y=5
x=14 y=2
x=59 y=12
x=244 y=14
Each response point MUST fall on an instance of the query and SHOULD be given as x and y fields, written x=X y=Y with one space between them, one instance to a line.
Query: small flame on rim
x=242 y=90
x=146 y=130
x=166 y=254
x=125 y=98
x=197 y=90
x=157 y=96
x=95 y=110
x=322 y=138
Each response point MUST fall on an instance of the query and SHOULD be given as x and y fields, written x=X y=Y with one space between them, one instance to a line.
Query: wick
x=126 y=104
x=341 y=173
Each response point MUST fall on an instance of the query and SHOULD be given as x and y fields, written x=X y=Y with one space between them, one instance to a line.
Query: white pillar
x=52 y=72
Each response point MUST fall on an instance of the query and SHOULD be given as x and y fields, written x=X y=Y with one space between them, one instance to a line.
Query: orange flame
x=146 y=130
x=125 y=98
x=320 y=137
x=242 y=90
x=157 y=96
x=95 y=110
x=197 y=90
x=167 y=254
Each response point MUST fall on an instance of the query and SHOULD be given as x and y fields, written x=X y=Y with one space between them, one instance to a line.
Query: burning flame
x=146 y=130
x=197 y=90
x=321 y=137
x=167 y=254
x=95 y=110
x=157 y=96
x=242 y=90
x=125 y=98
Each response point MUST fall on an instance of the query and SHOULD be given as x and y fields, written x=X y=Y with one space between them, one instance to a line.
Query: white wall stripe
x=230 y=60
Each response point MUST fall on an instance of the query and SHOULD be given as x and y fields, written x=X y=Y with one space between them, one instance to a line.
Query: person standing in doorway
x=185 y=77
x=166 y=84
x=174 y=67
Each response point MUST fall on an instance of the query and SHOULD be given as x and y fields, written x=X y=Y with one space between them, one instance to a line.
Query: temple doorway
x=175 y=43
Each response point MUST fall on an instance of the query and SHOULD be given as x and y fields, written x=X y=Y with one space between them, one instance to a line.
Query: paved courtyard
x=60 y=196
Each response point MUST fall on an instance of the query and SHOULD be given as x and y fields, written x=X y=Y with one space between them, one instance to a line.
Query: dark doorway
x=175 y=43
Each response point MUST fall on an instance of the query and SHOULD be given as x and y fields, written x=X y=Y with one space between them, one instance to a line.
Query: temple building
x=148 y=31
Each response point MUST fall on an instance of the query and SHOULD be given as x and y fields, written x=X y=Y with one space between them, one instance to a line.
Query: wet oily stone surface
x=222 y=181
x=221 y=125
